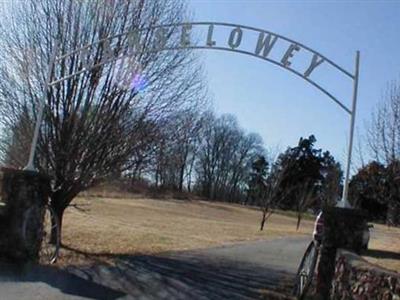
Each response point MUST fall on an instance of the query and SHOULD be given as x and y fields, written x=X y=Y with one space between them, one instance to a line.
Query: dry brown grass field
x=112 y=226
x=140 y=225
x=384 y=247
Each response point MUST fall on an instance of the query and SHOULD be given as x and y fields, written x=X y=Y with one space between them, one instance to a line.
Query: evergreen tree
x=308 y=171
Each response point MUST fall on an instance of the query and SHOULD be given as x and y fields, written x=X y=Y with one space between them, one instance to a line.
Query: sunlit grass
x=148 y=226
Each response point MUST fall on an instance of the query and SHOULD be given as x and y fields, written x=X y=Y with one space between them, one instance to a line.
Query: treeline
x=197 y=151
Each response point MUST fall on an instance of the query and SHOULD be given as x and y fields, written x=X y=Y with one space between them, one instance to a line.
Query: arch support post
x=31 y=164
x=345 y=203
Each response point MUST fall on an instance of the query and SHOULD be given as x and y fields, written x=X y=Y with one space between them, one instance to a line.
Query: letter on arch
x=235 y=38
x=289 y=54
x=314 y=63
x=185 y=36
x=265 y=44
x=210 y=41
x=133 y=42
x=161 y=38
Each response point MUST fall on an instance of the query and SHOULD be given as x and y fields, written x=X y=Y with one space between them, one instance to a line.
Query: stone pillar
x=343 y=228
x=22 y=190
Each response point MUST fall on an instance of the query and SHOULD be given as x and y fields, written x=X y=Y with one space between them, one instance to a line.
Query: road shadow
x=184 y=275
x=64 y=281
x=381 y=254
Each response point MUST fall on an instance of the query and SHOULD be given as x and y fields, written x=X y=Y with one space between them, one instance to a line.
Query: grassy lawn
x=384 y=247
x=130 y=226
x=141 y=225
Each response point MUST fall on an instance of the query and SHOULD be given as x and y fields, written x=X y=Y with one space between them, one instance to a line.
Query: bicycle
x=305 y=272
x=49 y=248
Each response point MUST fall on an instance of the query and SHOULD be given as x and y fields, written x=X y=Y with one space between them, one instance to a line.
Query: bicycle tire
x=305 y=272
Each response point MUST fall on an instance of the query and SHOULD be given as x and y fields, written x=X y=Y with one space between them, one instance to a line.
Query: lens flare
x=138 y=83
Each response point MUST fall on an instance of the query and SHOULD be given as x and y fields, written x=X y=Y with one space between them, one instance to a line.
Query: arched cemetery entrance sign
x=255 y=42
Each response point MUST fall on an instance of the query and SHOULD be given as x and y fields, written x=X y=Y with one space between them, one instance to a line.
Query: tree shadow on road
x=65 y=282
x=183 y=275
x=381 y=254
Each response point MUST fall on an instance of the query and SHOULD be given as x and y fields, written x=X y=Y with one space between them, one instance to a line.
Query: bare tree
x=383 y=131
x=93 y=122
x=305 y=200
x=177 y=148
x=224 y=160
x=383 y=137
x=272 y=190
x=329 y=187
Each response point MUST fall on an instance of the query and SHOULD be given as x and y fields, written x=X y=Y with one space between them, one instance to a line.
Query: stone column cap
x=5 y=170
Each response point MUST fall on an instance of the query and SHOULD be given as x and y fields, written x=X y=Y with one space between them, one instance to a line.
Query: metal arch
x=277 y=64
x=354 y=77
x=277 y=35
x=213 y=23
x=210 y=48
x=349 y=111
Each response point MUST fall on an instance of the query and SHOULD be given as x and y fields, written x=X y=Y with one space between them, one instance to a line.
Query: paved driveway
x=47 y=283
x=240 y=271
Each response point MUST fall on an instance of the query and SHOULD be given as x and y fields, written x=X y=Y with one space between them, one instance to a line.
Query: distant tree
x=308 y=178
x=383 y=140
x=176 y=149
x=272 y=192
x=140 y=162
x=330 y=186
x=305 y=169
x=258 y=178
x=368 y=190
x=224 y=158
x=305 y=199
x=258 y=189
x=393 y=195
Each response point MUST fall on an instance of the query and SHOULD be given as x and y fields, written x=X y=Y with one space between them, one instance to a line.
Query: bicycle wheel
x=305 y=271
x=48 y=249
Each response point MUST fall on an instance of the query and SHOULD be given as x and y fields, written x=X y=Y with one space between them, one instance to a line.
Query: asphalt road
x=240 y=271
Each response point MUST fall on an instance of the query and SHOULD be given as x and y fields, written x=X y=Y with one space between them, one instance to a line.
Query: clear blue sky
x=277 y=104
